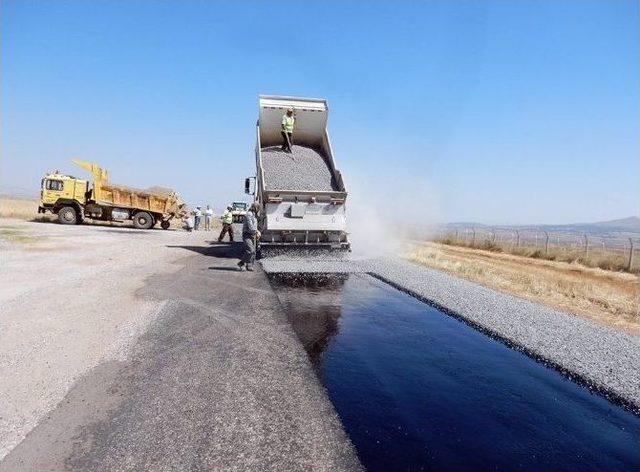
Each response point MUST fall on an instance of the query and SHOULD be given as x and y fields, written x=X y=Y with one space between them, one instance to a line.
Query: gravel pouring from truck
x=302 y=194
x=73 y=200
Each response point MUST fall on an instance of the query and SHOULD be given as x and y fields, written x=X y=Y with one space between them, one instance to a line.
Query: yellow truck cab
x=73 y=200
x=59 y=190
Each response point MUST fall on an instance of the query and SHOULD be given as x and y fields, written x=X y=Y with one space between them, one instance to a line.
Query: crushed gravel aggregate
x=303 y=169
x=598 y=356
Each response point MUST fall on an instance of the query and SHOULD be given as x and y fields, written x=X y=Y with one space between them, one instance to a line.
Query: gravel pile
x=601 y=357
x=304 y=169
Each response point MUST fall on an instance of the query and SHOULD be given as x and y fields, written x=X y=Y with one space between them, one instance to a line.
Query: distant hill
x=632 y=223
x=629 y=225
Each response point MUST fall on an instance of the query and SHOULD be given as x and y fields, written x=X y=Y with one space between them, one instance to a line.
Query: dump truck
x=302 y=193
x=73 y=200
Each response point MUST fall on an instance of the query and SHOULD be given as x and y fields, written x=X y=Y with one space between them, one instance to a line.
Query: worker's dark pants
x=196 y=224
x=285 y=143
x=249 y=254
x=226 y=228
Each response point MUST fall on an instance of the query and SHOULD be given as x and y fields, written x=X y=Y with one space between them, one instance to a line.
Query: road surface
x=147 y=350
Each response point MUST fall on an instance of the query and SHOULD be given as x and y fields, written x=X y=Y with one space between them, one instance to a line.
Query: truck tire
x=68 y=215
x=142 y=220
x=165 y=224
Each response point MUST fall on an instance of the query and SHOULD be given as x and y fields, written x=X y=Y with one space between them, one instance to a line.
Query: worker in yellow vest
x=288 y=120
x=227 y=225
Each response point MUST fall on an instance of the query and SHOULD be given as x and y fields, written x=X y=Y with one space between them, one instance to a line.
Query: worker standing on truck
x=208 y=216
x=250 y=237
x=288 y=120
x=227 y=225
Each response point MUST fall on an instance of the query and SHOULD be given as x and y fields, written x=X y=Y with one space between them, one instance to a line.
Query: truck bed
x=306 y=169
x=154 y=199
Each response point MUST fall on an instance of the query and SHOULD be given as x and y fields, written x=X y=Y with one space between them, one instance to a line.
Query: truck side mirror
x=247 y=186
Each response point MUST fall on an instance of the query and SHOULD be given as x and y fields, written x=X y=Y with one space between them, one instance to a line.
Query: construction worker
x=208 y=216
x=288 y=120
x=188 y=223
x=250 y=237
x=227 y=225
x=197 y=216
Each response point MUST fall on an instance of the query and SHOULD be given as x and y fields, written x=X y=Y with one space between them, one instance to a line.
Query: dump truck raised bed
x=73 y=200
x=302 y=193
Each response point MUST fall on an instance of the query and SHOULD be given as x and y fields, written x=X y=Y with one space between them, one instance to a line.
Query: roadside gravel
x=600 y=357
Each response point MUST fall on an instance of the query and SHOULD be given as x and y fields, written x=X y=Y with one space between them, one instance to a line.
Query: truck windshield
x=55 y=184
x=240 y=206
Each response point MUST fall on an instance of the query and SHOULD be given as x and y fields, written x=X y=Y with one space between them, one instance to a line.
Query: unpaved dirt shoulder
x=68 y=302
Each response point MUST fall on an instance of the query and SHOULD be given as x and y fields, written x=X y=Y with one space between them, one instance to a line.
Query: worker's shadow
x=222 y=251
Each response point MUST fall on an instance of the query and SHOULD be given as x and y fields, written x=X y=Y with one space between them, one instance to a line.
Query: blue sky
x=489 y=111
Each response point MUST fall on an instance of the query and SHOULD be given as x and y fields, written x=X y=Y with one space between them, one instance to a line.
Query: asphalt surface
x=219 y=381
x=600 y=357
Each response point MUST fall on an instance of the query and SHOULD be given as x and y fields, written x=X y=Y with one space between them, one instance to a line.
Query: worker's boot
x=250 y=267
x=241 y=265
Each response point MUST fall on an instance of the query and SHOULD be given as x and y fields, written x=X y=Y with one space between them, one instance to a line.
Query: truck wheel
x=165 y=224
x=143 y=220
x=67 y=215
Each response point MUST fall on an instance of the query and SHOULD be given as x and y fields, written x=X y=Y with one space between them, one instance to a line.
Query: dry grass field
x=18 y=208
x=605 y=296
x=596 y=257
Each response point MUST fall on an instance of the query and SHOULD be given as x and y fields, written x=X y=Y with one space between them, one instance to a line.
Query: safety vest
x=287 y=123
x=227 y=217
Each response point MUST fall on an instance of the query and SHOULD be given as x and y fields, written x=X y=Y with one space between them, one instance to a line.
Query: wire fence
x=606 y=251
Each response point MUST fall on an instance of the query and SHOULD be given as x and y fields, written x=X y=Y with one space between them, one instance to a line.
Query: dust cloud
x=384 y=214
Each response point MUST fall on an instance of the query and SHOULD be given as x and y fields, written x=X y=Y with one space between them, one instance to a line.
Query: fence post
x=630 y=262
x=546 y=242
x=456 y=236
x=473 y=240
x=586 y=245
x=493 y=235
x=517 y=238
